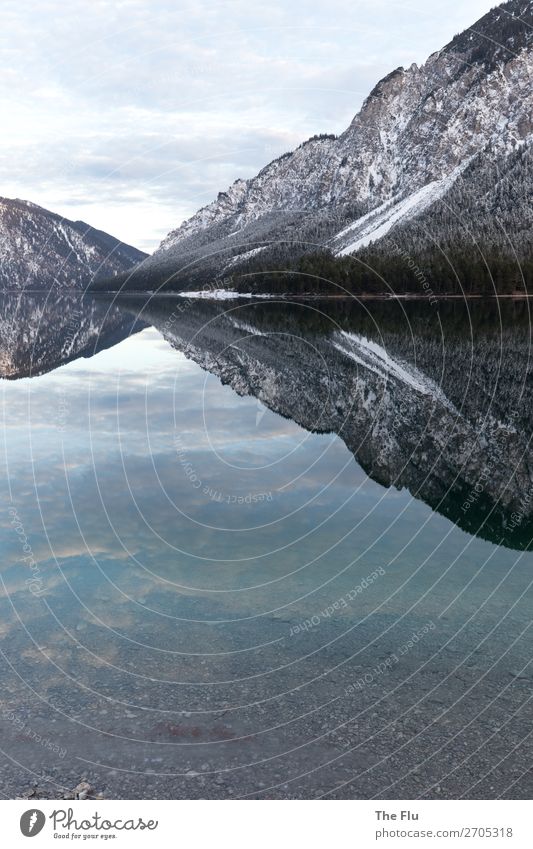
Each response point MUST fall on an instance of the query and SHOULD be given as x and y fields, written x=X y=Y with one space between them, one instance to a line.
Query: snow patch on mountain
x=376 y=224
x=246 y=255
x=385 y=219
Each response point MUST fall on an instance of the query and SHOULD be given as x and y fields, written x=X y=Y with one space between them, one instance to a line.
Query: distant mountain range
x=40 y=250
x=430 y=182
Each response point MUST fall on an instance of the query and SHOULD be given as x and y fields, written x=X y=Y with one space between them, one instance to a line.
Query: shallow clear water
x=319 y=586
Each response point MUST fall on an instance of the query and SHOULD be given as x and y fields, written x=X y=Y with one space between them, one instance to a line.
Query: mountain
x=439 y=157
x=40 y=250
x=425 y=400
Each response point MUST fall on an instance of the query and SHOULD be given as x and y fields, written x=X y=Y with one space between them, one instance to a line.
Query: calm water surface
x=266 y=549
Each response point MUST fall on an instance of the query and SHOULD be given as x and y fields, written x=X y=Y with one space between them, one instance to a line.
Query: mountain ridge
x=420 y=126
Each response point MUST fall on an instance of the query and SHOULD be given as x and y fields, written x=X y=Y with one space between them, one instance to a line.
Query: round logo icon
x=32 y=822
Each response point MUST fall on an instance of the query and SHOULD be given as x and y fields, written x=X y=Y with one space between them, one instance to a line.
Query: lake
x=266 y=549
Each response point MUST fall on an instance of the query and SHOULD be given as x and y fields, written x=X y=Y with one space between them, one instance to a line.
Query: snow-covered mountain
x=421 y=133
x=39 y=249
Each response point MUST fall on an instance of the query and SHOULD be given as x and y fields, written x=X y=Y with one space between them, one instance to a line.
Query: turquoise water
x=209 y=594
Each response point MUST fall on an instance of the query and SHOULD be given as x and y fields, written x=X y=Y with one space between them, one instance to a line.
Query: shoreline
x=225 y=295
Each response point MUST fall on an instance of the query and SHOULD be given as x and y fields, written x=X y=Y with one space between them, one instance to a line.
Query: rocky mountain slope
x=40 y=250
x=421 y=135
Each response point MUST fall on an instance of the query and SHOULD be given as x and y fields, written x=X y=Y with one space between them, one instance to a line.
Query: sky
x=132 y=114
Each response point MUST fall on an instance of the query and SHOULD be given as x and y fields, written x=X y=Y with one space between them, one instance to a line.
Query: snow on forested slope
x=380 y=221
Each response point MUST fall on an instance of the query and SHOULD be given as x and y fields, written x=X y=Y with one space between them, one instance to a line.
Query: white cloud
x=133 y=114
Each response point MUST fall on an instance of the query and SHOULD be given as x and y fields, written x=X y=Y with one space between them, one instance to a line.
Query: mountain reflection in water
x=437 y=401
